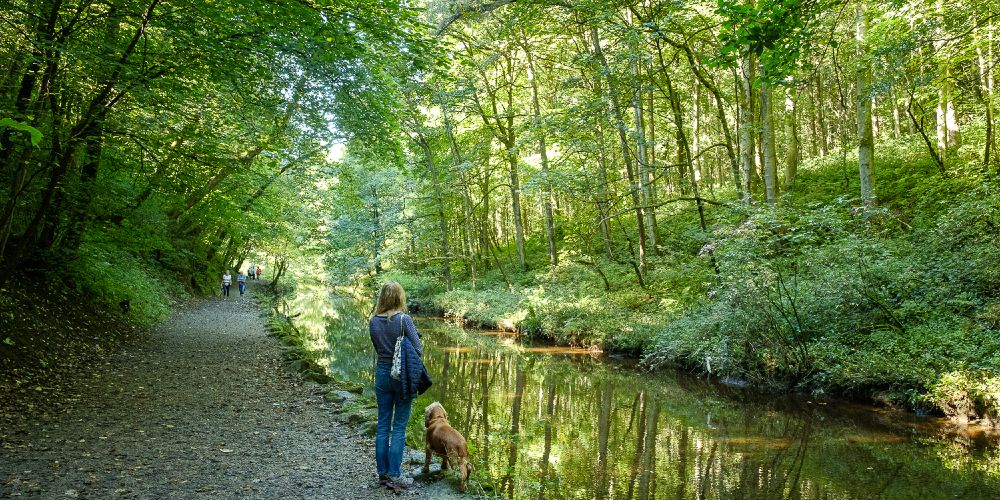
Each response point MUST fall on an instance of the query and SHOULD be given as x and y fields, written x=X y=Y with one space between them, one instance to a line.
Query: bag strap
x=401 y=329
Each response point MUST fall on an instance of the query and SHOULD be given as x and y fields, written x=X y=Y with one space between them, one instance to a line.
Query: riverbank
x=896 y=304
x=202 y=405
x=554 y=421
x=308 y=351
x=933 y=364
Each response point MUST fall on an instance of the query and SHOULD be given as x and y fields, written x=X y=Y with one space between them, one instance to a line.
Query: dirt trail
x=202 y=408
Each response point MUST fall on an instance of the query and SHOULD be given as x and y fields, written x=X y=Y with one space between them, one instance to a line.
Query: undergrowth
x=899 y=304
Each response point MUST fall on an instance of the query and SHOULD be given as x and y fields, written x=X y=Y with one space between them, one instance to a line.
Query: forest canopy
x=799 y=193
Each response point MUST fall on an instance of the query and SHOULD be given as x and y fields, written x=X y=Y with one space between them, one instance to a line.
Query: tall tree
x=866 y=143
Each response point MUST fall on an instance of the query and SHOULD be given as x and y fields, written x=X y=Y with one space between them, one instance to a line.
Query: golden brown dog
x=446 y=442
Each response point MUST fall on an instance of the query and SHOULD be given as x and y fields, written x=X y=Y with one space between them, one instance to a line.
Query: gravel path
x=203 y=408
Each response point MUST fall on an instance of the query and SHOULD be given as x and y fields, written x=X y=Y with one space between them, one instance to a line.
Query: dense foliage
x=796 y=193
x=145 y=146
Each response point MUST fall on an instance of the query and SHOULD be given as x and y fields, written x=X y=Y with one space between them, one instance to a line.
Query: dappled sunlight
x=500 y=333
x=876 y=439
x=757 y=442
x=594 y=423
x=569 y=351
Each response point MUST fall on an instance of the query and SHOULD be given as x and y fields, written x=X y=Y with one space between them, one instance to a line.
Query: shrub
x=965 y=394
x=112 y=276
x=489 y=308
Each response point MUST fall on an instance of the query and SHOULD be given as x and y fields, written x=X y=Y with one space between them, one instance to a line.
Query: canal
x=549 y=422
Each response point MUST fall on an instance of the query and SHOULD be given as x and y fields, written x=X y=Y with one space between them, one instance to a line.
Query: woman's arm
x=411 y=333
x=371 y=333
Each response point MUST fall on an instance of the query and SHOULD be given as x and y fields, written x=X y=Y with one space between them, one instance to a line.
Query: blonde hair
x=390 y=298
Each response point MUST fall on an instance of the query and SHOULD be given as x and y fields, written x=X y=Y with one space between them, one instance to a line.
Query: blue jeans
x=243 y=288
x=393 y=415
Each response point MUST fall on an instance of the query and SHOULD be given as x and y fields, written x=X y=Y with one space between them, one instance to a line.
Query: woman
x=227 y=281
x=241 y=280
x=385 y=327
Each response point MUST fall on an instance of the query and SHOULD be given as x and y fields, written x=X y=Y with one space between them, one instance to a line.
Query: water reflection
x=552 y=423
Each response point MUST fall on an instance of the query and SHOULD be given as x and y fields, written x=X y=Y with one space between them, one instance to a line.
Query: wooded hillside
x=794 y=193
x=798 y=193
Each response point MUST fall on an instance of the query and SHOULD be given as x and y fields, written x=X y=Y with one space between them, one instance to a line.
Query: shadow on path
x=202 y=408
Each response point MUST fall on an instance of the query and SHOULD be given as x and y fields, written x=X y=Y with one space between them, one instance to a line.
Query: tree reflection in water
x=603 y=430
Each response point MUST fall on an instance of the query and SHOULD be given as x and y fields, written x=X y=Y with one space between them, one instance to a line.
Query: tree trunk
x=648 y=475
x=623 y=141
x=502 y=129
x=896 y=124
x=792 y=136
x=438 y=190
x=866 y=144
x=767 y=144
x=602 y=182
x=515 y=429
x=457 y=162
x=486 y=234
x=80 y=214
x=547 y=448
x=941 y=119
x=951 y=123
x=23 y=100
x=824 y=143
x=606 y=401
x=69 y=157
x=696 y=131
x=948 y=136
x=651 y=163
x=640 y=130
x=720 y=113
x=682 y=145
x=747 y=164
x=986 y=61
x=515 y=201
x=377 y=235
x=639 y=409
x=543 y=153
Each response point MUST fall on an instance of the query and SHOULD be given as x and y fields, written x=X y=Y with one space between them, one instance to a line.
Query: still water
x=563 y=423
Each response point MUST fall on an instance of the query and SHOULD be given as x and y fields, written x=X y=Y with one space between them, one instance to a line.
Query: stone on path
x=202 y=408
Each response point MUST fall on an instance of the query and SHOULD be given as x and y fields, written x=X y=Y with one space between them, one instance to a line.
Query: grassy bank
x=899 y=305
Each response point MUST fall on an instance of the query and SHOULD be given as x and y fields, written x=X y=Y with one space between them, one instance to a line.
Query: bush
x=111 y=276
x=488 y=308
x=830 y=299
x=965 y=394
x=419 y=287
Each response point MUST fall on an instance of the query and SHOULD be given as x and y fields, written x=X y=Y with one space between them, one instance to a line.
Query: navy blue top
x=384 y=332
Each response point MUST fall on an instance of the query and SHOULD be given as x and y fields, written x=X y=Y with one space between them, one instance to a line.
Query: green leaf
x=36 y=135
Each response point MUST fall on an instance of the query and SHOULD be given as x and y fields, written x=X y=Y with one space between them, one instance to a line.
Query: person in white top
x=227 y=281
